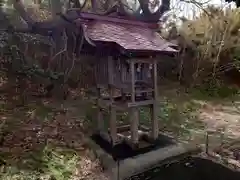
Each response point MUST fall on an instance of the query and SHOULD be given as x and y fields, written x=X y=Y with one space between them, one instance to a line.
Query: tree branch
x=56 y=27
x=154 y=17
x=46 y=27
x=18 y=5
x=146 y=15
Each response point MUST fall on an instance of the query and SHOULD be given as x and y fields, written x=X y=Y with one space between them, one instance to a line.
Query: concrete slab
x=130 y=166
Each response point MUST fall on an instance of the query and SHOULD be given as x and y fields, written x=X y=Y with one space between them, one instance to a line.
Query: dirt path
x=197 y=116
x=222 y=116
x=213 y=114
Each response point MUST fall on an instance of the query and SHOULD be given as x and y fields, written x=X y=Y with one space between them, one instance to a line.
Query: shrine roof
x=129 y=34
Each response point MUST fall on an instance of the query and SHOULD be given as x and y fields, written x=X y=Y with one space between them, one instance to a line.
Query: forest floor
x=194 y=109
x=46 y=139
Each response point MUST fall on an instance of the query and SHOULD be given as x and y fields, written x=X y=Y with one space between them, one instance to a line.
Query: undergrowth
x=210 y=91
x=50 y=164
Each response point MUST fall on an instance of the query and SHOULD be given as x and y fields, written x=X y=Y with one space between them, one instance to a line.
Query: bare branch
x=18 y=5
x=45 y=27
x=143 y=13
x=154 y=17
x=56 y=28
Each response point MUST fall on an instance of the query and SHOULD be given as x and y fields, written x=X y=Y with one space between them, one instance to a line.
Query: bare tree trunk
x=38 y=2
x=108 y=4
x=94 y=5
x=66 y=6
x=56 y=7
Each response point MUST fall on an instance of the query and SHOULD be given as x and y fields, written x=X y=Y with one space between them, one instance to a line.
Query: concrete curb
x=131 y=166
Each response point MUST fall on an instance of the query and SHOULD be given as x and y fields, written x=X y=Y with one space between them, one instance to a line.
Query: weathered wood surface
x=137 y=84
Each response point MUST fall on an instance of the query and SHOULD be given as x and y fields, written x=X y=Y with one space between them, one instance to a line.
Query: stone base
x=122 y=168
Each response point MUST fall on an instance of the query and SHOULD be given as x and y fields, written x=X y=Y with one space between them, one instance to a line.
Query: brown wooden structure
x=126 y=53
x=136 y=81
x=125 y=68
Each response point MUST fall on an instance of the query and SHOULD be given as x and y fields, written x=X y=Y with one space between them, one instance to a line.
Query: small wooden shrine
x=125 y=66
x=135 y=81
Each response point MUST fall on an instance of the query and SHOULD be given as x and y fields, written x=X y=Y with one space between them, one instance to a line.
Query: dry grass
x=46 y=141
x=210 y=44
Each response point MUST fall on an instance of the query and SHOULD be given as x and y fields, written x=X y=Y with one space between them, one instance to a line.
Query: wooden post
x=134 y=117
x=113 y=125
x=123 y=80
x=113 y=119
x=113 y=115
x=154 y=106
x=132 y=69
x=100 y=121
x=110 y=70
